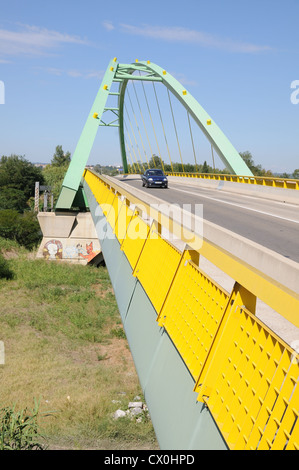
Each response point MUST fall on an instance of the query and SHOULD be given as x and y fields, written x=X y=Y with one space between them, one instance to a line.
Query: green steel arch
x=70 y=194
x=220 y=142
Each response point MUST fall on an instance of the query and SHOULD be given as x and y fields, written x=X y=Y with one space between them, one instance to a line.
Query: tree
x=155 y=162
x=205 y=168
x=28 y=232
x=11 y=198
x=54 y=176
x=18 y=173
x=60 y=158
x=17 y=185
x=296 y=174
x=257 y=170
x=24 y=228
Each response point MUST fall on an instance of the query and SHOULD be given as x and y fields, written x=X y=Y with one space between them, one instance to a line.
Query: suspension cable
x=137 y=126
x=163 y=126
x=133 y=148
x=143 y=121
x=149 y=111
x=196 y=165
x=131 y=158
x=135 y=139
x=177 y=138
x=213 y=157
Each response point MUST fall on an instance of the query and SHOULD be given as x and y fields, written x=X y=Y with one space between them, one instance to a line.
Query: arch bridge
x=215 y=373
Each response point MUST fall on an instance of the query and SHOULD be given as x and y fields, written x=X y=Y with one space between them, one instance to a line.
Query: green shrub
x=23 y=228
x=5 y=272
x=19 y=429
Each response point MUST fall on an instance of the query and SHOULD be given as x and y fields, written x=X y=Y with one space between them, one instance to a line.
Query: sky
x=239 y=59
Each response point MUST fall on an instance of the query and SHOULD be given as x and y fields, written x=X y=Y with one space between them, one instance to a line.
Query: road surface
x=272 y=224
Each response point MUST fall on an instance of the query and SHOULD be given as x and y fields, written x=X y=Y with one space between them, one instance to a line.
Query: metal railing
x=269 y=181
x=243 y=371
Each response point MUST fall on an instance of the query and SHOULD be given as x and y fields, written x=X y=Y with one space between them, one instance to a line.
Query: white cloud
x=33 y=40
x=183 y=79
x=97 y=74
x=180 y=34
x=108 y=25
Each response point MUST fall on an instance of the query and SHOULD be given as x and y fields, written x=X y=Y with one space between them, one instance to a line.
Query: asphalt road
x=272 y=224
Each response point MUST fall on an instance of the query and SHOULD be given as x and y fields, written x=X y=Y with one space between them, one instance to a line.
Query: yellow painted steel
x=245 y=373
x=270 y=181
x=192 y=313
x=283 y=300
x=123 y=218
x=150 y=269
x=249 y=380
x=112 y=213
x=136 y=235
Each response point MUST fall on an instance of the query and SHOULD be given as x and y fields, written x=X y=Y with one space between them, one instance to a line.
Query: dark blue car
x=154 y=177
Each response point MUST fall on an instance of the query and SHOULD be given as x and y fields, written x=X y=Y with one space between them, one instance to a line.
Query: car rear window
x=155 y=172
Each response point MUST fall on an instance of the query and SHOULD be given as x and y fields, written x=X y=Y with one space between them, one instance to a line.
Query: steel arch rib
x=80 y=157
x=122 y=73
x=226 y=151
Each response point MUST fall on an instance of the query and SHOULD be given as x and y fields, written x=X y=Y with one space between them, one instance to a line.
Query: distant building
x=41 y=165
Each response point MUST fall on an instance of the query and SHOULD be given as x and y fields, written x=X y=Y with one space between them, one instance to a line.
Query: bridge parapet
x=244 y=373
x=275 y=189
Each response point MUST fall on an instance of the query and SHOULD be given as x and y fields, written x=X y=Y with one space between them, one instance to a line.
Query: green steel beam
x=228 y=154
x=126 y=71
x=122 y=73
x=80 y=157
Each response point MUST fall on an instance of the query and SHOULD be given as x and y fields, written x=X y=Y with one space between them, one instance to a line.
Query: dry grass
x=59 y=325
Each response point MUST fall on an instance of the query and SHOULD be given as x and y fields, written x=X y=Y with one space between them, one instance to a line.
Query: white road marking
x=237 y=205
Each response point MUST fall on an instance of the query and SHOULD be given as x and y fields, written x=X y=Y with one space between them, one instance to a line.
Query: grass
x=65 y=347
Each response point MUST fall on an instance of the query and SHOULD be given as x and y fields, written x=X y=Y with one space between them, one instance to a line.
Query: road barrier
x=268 y=181
x=245 y=374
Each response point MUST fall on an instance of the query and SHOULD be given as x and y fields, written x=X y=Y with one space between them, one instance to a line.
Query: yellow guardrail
x=269 y=181
x=245 y=373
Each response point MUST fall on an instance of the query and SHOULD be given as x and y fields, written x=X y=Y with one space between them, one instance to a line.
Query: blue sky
x=237 y=58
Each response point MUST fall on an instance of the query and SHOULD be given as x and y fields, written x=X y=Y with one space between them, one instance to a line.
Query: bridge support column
x=69 y=237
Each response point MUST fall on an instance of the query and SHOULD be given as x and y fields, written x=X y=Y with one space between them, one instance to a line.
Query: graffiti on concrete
x=88 y=253
x=53 y=250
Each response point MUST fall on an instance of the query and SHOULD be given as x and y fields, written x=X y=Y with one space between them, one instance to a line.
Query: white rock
x=136 y=411
x=135 y=404
x=119 y=414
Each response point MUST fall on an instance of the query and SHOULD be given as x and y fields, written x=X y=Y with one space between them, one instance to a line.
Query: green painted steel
x=80 y=157
x=228 y=154
x=122 y=73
